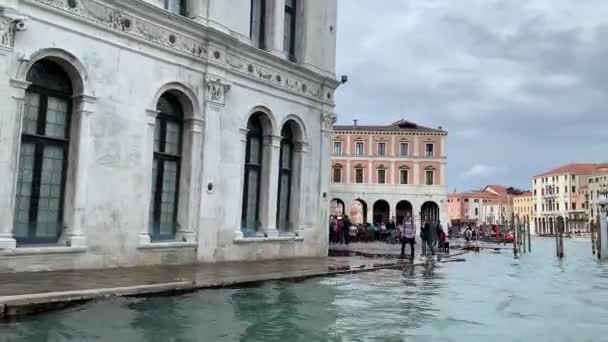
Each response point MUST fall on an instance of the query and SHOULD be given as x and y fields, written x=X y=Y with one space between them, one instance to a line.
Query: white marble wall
x=123 y=70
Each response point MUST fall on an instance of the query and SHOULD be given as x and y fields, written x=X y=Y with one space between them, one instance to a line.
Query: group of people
x=431 y=235
x=339 y=229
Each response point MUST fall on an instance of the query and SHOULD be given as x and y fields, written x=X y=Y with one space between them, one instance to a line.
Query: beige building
x=383 y=172
x=522 y=208
x=595 y=189
x=560 y=192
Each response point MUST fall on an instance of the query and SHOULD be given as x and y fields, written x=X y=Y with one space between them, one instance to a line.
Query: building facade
x=522 y=208
x=560 y=192
x=466 y=207
x=164 y=132
x=384 y=172
x=595 y=188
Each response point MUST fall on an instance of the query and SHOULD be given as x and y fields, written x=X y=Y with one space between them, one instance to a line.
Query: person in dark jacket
x=426 y=235
x=346 y=229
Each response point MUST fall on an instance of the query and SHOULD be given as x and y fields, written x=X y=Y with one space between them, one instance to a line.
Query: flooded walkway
x=22 y=293
x=491 y=297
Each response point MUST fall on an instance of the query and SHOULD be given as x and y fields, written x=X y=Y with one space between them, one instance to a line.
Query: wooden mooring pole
x=598 y=247
x=529 y=234
x=515 y=254
x=522 y=230
x=560 y=232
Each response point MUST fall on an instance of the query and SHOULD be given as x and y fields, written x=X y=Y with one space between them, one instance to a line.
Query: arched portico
x=358 y=211
x=382 y=212
x=402 y=210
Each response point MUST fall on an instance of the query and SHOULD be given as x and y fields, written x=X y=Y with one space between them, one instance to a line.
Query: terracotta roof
x=498 y=189
x=576 y=168
x=401 y=125
x=474 y=194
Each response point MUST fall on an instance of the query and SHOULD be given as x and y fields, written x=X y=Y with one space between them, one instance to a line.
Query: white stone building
x=164 y=132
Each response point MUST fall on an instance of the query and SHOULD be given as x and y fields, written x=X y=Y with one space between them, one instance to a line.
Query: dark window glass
x=166 y=169
x=359 y=149
x=429 y=177
x=285 y=179
x=43 y=155
x=381 y=149
x=430 y=150
x=258 y=23
x=381 y=176
x=253 y=173
x=176 y=6
x=358 y=175
x=403 y=177
x=404 y=149
x=289 y=35
x=337 y=175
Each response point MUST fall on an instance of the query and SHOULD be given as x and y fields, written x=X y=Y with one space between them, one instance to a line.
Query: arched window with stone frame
x=43 y=155
x=166 y=169
x=289 y=187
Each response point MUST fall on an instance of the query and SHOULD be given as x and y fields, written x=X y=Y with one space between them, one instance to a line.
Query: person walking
x=425 y=236
x=339 y=230
x=408 y=236
x=346 y=229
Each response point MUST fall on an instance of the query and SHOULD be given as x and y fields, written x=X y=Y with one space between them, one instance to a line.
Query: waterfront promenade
x=27 y=293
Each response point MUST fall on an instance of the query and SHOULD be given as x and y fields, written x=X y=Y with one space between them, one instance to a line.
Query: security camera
x=20 y=25
x=344 y=79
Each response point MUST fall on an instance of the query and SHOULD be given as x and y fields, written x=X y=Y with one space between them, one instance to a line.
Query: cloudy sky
x=521 y=86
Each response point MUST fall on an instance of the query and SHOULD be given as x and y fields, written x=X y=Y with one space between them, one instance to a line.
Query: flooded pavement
x=491 y=296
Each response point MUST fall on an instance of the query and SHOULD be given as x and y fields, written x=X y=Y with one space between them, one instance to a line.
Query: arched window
x=253 y=172
x=43 y=156
x=166 y=168
x=285 y=179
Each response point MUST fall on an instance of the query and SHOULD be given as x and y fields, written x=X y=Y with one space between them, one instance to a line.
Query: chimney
x=441 y=128
x=355 y=123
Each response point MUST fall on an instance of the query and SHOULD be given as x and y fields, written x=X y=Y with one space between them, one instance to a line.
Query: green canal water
x=491 y=297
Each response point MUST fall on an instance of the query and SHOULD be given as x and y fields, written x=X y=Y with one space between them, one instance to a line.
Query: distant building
x=562 y=192
x=494 y=204
x=466 y=207
x=594 y=190
x=383 y=172
x=522 y=208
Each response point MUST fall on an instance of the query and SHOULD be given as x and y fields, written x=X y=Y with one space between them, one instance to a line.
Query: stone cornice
x=143 y=21
x=396 y=133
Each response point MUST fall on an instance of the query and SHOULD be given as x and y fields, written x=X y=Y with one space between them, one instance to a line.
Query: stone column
x=269 y=187
x=148 y=160
x=347 y=171
x=443 y=169
x=297 y=212
x=197 y=10
x=328 y=119
x=73 y=234
x=370 y=172
x=238 y=232
x=191 y=180
x=10 y=136
x=275 y=27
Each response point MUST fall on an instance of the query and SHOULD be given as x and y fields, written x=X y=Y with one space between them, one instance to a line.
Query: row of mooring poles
x=521 y=235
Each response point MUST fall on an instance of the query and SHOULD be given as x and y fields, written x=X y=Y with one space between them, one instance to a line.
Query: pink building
x=383 y=172
x=466 y=207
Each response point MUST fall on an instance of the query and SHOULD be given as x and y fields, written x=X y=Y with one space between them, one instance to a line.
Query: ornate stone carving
x=274 y=77
x=7 y=31
x=328 y=119
x=101 y=13
x=216 y=91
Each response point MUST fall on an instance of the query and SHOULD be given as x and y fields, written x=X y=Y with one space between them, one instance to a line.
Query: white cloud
x=480 y=170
